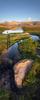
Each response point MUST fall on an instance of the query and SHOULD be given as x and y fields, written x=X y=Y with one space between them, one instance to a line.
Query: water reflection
x=19 y=30
x=34 y=37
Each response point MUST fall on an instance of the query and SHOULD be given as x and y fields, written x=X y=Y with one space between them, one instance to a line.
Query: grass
x=2 y=29
x=31 y=29
x=4 y=94
x=31 y=81
x=28 y=48
x=8 y=40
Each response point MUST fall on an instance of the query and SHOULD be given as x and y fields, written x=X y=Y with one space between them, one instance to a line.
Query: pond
x=19 y=30
x=34 y=37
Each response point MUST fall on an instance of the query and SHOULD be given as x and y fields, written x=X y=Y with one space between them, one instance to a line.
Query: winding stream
x=6 y=71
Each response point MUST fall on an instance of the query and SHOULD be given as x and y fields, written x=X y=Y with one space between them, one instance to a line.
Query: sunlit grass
x=8 y=40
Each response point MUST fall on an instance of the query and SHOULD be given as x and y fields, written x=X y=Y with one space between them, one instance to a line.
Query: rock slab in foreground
x=20 y=69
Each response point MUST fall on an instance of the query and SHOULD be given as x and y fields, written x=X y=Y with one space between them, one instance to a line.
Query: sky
x=19 y=10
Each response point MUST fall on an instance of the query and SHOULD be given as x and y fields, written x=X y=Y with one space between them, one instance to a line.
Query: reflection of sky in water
x=34 y=37
x=13 y=31
x=13 y=52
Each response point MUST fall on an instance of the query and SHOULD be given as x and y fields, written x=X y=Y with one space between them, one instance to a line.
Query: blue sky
x=19 y=10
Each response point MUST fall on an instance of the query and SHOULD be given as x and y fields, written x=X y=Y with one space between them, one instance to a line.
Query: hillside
x=33 y=26
x=15 y=23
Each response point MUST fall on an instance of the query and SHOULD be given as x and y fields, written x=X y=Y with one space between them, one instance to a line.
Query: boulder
x=20 y=70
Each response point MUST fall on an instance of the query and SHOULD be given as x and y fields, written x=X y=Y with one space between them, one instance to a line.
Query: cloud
x=1 y=20
x=5 y=20
x=29 y=19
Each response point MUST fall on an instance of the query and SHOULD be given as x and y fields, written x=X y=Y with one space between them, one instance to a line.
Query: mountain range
x=15 y=24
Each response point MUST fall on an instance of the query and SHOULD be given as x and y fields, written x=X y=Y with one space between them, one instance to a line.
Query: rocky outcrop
x=20 y=69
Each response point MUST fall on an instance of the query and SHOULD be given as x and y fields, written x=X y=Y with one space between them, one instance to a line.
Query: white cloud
x=1 y=20
x=4 y=20
x=29 y=19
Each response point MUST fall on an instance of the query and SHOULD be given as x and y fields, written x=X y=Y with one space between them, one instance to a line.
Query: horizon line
x=26 y=19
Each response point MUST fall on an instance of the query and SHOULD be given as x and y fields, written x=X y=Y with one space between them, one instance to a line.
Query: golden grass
x=8 y=40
